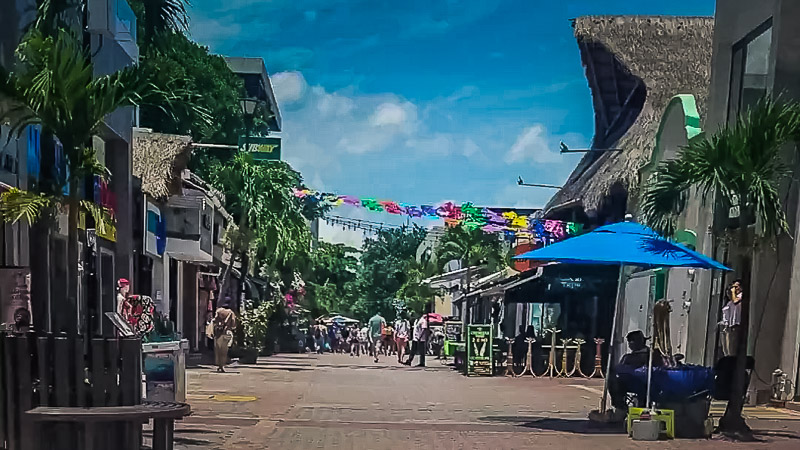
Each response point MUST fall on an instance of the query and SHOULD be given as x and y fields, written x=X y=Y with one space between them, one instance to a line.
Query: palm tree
x=417 y=294
x=271 y=225
x=472 y=246
x=159 y=16
x=741 y=165
x=53 y=85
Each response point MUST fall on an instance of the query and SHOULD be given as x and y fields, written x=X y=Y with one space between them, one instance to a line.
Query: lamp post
x=549 y=186
x=249 y=105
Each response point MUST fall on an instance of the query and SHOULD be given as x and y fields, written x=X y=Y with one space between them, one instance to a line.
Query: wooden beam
x=599 y=98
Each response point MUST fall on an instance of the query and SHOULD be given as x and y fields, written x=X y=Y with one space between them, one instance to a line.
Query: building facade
x=755 y=53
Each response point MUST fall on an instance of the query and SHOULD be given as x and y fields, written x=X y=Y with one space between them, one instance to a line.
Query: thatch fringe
x=672 y=55
x=158 y=160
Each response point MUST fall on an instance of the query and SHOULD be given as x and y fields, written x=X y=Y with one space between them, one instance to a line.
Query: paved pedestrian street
x=335 y=401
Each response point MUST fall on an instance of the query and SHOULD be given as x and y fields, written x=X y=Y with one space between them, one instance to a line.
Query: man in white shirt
x=419 y=341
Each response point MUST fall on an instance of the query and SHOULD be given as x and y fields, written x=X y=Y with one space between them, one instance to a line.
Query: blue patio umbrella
x=622 y=244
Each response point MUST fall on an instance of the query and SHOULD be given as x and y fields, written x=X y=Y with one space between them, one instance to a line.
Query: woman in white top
x=401 y=328
x=731 y=319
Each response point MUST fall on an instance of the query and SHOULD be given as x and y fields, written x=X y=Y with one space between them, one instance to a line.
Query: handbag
x=210 y=329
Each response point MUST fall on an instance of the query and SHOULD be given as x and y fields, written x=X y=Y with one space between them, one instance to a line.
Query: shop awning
x=450 y=280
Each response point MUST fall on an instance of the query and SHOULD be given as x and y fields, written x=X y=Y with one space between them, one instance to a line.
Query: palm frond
x=101 y=216
x=162 y=16
x=741 y=163
x=16 y=205
x=665 y=196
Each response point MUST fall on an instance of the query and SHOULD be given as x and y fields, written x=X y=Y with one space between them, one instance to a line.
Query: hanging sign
x=479 y=350
x=263 y=148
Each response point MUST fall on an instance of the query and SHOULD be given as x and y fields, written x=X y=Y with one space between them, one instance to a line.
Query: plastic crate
x=665 y=415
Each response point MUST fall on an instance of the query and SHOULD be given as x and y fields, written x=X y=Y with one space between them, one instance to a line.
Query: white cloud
x=439 y=144
x=533 y=145
x=391 y=114
x=289 y=87
x=321 y=127
x=470 y=148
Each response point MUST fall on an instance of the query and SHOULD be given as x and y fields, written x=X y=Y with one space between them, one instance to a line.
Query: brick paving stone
x=335 y=401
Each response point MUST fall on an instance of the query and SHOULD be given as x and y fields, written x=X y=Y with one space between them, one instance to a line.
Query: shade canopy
x=626 y=243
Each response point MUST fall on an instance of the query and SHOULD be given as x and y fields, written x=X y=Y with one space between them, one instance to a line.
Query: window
x=750 y=70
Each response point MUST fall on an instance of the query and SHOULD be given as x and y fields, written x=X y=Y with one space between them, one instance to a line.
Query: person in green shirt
x=375 y=324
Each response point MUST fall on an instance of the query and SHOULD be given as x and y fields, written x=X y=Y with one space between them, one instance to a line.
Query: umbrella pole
x=617 y=305
x=650 y=358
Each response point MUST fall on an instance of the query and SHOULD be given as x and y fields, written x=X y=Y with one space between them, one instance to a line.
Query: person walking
x=224 y=324
x=401 y=329
x=363 y=341
x=387 y=340
x=419 y=342
x=319 y=338
x=376 y=324
x=355 y=345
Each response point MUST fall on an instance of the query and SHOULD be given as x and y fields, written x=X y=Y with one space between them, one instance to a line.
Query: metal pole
x=617 y=305
x=650 y=358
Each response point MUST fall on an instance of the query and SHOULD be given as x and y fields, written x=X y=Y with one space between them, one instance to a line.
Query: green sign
x=263 y=148
x=479 y=350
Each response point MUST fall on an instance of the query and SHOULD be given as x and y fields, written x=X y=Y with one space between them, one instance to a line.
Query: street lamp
x=249 y=105
x=549 y=186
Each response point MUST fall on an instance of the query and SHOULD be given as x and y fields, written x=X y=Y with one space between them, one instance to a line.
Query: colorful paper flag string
x=511 y=223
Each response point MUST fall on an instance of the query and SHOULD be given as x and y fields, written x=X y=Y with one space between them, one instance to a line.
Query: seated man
x=620 y=383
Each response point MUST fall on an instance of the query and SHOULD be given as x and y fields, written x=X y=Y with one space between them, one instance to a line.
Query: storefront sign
x=479 y=350
x=262 y=148
x=15 y=294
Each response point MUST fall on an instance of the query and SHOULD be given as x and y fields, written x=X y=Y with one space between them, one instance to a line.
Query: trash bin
x=165 y=370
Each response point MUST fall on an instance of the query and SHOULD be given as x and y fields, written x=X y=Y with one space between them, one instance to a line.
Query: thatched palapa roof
x=634 y=66
x=158 y=160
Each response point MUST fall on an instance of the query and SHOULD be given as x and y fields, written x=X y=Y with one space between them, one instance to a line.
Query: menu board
x=453 y=331
x=479 y=350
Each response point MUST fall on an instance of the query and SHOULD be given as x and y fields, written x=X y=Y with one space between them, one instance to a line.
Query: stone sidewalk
x=334 y=401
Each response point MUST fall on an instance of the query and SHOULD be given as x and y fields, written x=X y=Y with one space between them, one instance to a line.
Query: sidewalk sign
x=479 y=350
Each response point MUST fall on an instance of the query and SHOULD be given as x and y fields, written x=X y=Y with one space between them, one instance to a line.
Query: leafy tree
x=218 y=92
x=414 y=293
x=53 y=85
x=383 y=269
x=741 y=165
x=471 y=246
x=271 y=225
x=155 y=18
x=330 y=278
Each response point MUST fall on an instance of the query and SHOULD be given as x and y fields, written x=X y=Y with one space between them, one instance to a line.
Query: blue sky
x=423 y=101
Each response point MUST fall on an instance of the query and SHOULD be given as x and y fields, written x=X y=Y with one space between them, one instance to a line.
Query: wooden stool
x=598 y=359
x=576 y=367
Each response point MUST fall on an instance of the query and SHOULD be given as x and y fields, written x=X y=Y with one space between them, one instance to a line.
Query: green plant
x=271 y=226
x=53 y=85
x=255 y=322
x=741 y=165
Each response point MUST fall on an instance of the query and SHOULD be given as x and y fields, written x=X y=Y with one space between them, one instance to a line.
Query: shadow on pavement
x=770 y=433
x=273 y=367
x=578 y=426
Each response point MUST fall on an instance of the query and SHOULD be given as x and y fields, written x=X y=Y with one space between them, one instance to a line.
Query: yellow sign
x=108 y=231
